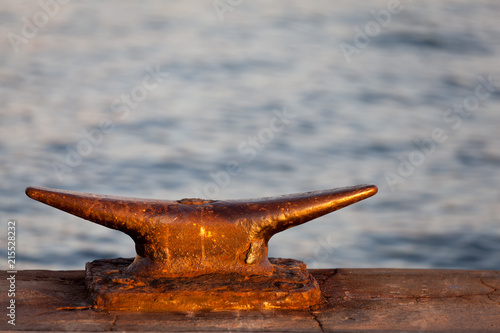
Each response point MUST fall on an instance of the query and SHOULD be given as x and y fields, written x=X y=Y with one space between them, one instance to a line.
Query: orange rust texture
x=289 y=287
x=193 y=237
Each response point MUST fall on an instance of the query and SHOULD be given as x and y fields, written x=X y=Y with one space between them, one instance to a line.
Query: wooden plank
x=355 y=300
x=410 y=300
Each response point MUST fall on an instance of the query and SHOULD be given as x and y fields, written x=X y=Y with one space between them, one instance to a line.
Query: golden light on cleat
x=210 y=243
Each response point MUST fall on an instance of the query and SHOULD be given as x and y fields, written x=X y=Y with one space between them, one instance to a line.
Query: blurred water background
x=300 y=95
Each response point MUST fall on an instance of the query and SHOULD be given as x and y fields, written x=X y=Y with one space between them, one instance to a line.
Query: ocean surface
x=156 y=99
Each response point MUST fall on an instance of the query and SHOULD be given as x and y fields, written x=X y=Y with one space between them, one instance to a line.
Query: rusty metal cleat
x=195 y=254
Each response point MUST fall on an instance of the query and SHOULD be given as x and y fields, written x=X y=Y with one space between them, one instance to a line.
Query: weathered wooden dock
x=355 y=300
